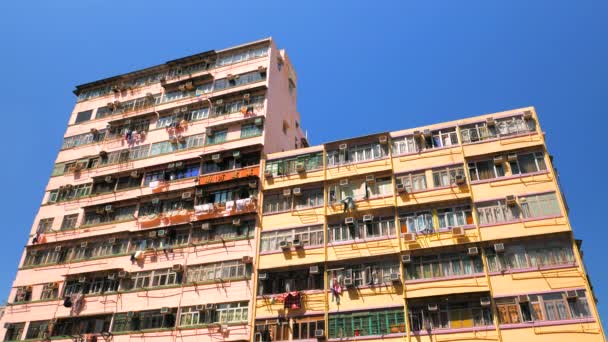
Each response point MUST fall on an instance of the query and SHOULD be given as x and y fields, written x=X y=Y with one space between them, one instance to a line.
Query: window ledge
x=533 y=269
x=546 y=323
x=452 y=331
x=448 y=278
x=354 y=241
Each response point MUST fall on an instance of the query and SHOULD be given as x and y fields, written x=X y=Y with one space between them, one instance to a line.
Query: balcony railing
x=223 y=176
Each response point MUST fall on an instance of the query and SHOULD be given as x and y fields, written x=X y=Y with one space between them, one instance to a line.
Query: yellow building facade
x=451 y=232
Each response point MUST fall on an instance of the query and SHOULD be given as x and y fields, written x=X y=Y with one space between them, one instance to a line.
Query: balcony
x=224 y=176
x=290 y=303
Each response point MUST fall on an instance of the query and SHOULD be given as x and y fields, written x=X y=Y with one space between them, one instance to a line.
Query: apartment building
x=451 y=232
x=147 y=226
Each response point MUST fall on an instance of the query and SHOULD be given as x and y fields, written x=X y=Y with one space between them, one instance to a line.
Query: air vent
x=406 y=258
x=349 y=220
x=313 y=269
x=473 y=251
x=499 y=247
x=368 y=218
x=297 y=191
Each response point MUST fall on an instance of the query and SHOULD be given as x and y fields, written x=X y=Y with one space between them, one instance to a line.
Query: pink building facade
x=148 y=224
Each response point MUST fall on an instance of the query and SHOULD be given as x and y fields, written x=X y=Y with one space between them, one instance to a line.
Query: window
x=83 y=139
x=361 y=190
x=276 y=203
x=81 y=325
x=168 y=175
x=555 y=306
x=250 y=130
x=225 y=270
x=304 y=328
x=282 y=167
x=413 y=182
x=290 y=280
x=477 y=132
x=23 y=294
x=530 y=255
x=49 y=291
x=447 y=176
x=486 y=169
x=255 y=103
x=309 y=236
x=539 y=205
x=514 y=125
x=93 y=284
x=45 y=225
x=239 y=56
x=217 y=137
x=356 y=154
x=224 y=231
x=151 y=279
x=442 y=138
x=375 y=273
x=443 y=265
x=309 y=198
x=365 y=323
x=69 y=222
x=271 y=330
x=455 y=314
x=239 y=80
x=70 y=192
x=99 y=215
x=404 y=145
x=37 y=330
x=14 y=332
x=496 y=212
x=144 y=320
x=232 y=312
x=454 y=217
x=378 y=227
x=417 y=222
x=83 y=116
x=528 y=163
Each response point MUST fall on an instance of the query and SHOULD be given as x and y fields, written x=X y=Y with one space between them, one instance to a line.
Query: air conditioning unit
x=131 y=314
x=161 y=233
x=528 y=115
x=512 y=157
x=108 y=179
x=57 y=249
x=457 y=231
x=82 y=279
x=285 y=245
x=112 y=276
x=433 y=307
x=155 y=201
x=348 y=282
x=236 y=222
x=320 y=333
x=349 y=220
x=460 y=179
x=490 y=122
x=511 y=200
x=200 y=307
x=205 y=226
x=198 y=192
x=84 y=244
x=401 y=188
x=370 y=179
x=571 y=294
x=426 y=133
x=406 y=258
x=383 y=139
x=395 y=278
x=297 y=243
x=258 y=122
x=417 y=134
x=485 y=301
x=286 y=192
x=313 y=269
x=187 y=195
x=152 y=234
x=297 y=191
x=300 y=167
x=263 y=276
x=473 y=251
x=224 y=328
x=177 y=267
x=268 y=173
x=171 y=166
x=499 y=247
x=246 y=259
x=216 y=157
x=499 y=160
x=123 y=274
x=179 y=165
x=344 y=182
x=253 y=184
x=209 y=306
x=108 y=208
x=523 y=298
x=35 y=252
x=236 y=154
x=368 y=218
x=164 y=310
x=343 y=147
x=219 y=102
x=209 y=131
x=409 y=237
x=112 y=240
x=134 y=174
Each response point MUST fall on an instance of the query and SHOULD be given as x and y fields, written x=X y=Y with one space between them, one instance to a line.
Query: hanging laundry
x=229 y=205
x=67 y=302
x=77 y=303
x=241 y=204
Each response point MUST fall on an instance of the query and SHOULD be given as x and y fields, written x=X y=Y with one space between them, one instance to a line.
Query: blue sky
x=363 y=67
